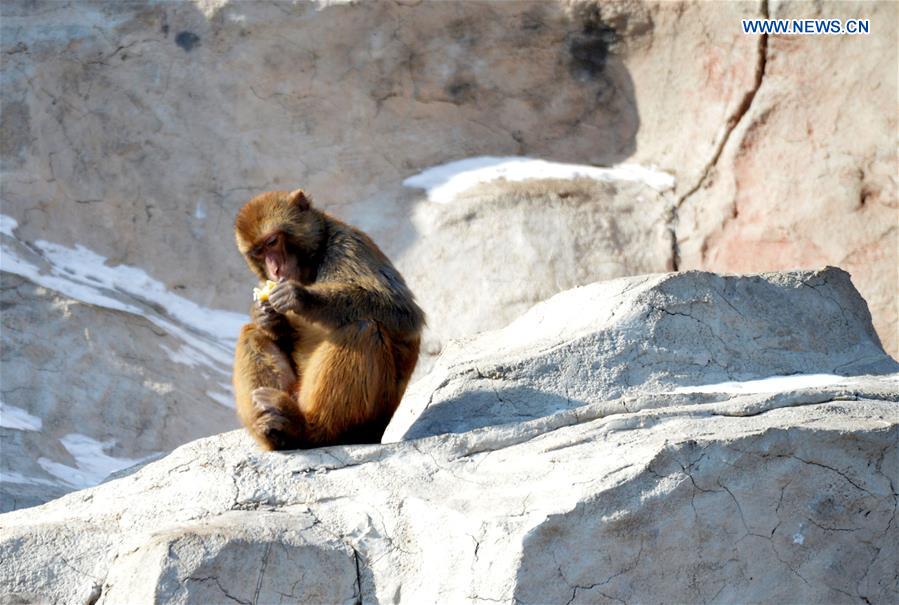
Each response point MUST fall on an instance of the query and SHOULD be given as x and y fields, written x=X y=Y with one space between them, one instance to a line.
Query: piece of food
x=261 y=294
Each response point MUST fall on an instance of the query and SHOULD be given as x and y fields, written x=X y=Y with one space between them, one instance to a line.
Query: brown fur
x=335 y=367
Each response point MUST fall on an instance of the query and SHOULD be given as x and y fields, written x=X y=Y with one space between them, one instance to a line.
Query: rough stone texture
x=208 y=562
x=107 y=375
x=501 y=247
x=685 y=496
x=805 y=173
x=231 y=98
x=740 y=500
x=641 y=335
x=137 y=130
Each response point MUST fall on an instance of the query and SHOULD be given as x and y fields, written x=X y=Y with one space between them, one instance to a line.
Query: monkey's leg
x=263 y=381
x=405 y=355
x=349 y=387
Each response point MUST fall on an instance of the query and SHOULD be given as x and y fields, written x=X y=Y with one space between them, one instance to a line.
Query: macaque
x=327 y=357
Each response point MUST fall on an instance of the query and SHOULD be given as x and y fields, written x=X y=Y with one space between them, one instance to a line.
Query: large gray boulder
x=728 y=492
x=753 y=499
x=645 y=335
x=488 y=252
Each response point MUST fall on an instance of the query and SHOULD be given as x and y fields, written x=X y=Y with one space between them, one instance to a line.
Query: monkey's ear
x=299 y=199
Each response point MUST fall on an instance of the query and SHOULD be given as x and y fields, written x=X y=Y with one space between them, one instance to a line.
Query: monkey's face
x=278 y=232
x=274 y=254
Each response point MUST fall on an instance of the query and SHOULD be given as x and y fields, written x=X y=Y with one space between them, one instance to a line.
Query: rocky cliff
x=619 y=139
x=137 y=130
x=674 y=469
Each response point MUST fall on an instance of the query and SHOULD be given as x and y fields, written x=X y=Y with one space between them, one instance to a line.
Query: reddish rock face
x=806 y=173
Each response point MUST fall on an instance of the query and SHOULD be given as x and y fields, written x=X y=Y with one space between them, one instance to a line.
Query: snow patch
x=226 y=398
x=190 y=355
x=77 y=284
x=92 y=462
x=14 y=417
x=88 y=269
x=444 y=182
x=208 y=335
x=772 y=384
x=14 y=477
x=7 y=224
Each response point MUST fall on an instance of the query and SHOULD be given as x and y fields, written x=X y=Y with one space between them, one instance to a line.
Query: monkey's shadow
x=488 y=407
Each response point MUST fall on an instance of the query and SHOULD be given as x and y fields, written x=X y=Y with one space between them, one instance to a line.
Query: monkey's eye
x=271 y=241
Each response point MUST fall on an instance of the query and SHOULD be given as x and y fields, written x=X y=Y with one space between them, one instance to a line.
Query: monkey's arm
x=336 y=304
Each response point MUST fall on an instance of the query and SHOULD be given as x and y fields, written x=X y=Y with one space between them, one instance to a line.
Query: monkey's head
x=278 y=234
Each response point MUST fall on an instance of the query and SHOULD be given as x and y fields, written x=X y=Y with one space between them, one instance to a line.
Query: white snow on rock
x=771 y=384
x=226 y=398
x=14 y=417
x=500 y=238
x=444 y=182
x=83 y=275
x=7 y=225
x=82 y=339
x=21 y=479
x=92 y=463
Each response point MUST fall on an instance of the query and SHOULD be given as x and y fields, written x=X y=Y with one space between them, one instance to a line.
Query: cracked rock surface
x=802 y=173
x=673 y=491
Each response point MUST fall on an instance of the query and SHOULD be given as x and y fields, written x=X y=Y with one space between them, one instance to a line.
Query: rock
x=227 y=99
x=796 y=180
x=645 y=335
x=677 y=504
x=488 y=253
x=233 y=546
x=97 y=371
x=702 y=493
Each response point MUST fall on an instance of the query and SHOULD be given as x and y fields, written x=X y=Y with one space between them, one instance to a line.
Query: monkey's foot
x=267 y=400
x=271 y=423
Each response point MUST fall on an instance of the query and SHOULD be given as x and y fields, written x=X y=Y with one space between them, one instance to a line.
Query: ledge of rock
x=647 y=335
x=659 y=484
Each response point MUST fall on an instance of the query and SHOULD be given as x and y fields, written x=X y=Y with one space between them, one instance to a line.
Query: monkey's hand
x=267 y=318
x=288 y=296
